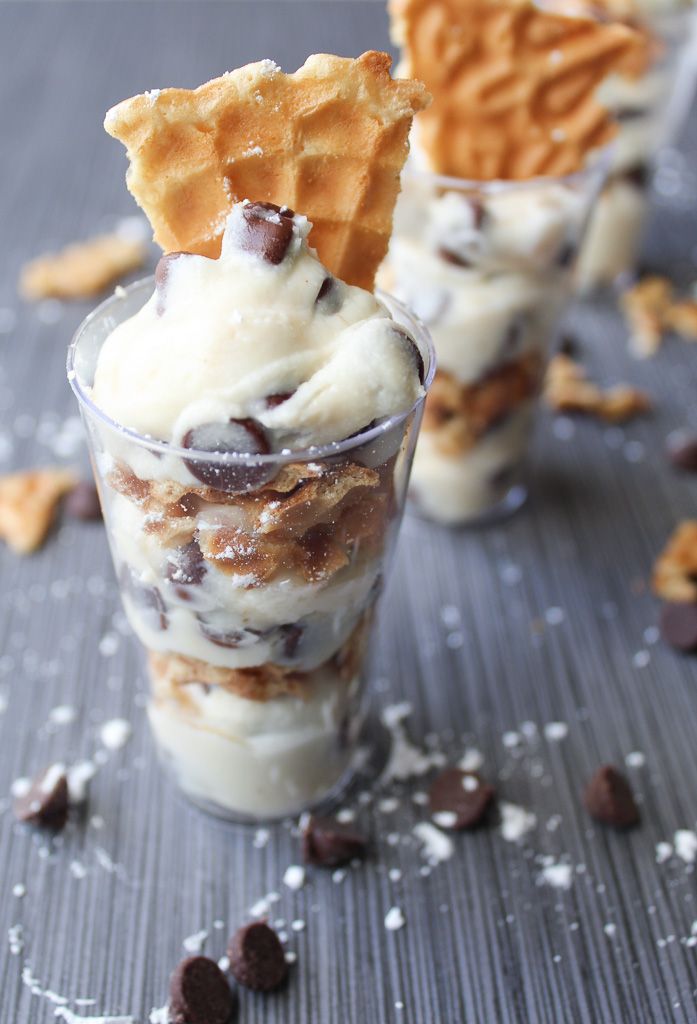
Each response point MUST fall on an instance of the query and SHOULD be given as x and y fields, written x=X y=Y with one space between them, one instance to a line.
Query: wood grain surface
x=547 y=618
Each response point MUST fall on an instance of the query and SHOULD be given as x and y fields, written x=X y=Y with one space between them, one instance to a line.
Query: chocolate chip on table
x=678 y=624
x=199 y=993
x=609 y=799
x=329 y=843
x=681 y=449
x=83 y=502
x=267 y=231
x=240 y=437
x=257 y=959
x=46 y=801
x=459 y=799
x=162 y=277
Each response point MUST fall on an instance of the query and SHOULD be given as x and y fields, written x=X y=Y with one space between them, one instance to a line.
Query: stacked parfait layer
x=251 y=580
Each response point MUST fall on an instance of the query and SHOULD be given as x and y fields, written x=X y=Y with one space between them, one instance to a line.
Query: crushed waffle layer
x=82 y=269
x=568 y=389
x=313 y=529
x=652 y=310
x=513 y=85
x=28 y=503
x=675 y=571
x=457 y=415
x=173 y=674
x=328 y=141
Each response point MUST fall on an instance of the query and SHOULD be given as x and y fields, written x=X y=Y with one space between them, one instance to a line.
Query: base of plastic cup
x=372 y=752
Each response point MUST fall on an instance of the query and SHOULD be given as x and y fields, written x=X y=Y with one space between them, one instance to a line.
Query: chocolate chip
x=149 y=599
x=329 y=297
x=638 y=176
x=241 y=437
x=186 y=566
x=414 y=352
x=453 y=257
x=682 y=451
x=83 y=502
x=292 y=634
x=199 y=993
x=231 y=639
x=566 y=255
x=268 y=230
x=568 y=345
x=330 y=843
x=256 y=957
x=678 y=624
x=609 y=799
x=271 y=401
x=46 y=801
x=162 y=270
x=459 y=799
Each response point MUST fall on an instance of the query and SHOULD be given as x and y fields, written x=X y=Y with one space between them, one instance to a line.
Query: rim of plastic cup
x=593 y=173
x=311 y=454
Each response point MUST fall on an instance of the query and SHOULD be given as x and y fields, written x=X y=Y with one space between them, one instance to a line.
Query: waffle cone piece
x=328 y=141
x=513 y=86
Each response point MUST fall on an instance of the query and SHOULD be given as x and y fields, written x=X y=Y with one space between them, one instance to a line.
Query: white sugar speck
x=394 y=919
x=610 y=929
x=516 y=821
x=194 y=943
x=394 y=874
x=555 y=731
x=510 y=739
x=63 y=714
x=345 y=815
x=15 y=939
x=19 y=890
x=261 y=838
x=445 y=819
x=109 y=645
x=437 y=847
x=635 y=759
x=641 y=659
x=558 y=876
x=554 y=616
x=471 y=760
x=298 y=925
x=664 y=851
x=115 y=733
x=294 y=877
x=685 y=843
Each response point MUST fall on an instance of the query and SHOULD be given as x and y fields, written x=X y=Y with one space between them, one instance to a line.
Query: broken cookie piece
x=28 y=502
x=675 y=571
x=82 y=269
x=568 y=389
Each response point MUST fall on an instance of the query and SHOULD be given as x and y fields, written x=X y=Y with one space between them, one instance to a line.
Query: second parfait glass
x=488 y=266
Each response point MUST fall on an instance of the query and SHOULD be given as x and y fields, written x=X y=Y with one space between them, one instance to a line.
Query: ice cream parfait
x=507 y=163
x=252 y=416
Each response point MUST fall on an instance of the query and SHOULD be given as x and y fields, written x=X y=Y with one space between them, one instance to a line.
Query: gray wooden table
x=545 y=619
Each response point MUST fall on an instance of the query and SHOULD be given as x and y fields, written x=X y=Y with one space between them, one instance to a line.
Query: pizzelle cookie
x=329 y=140
x=513 y=86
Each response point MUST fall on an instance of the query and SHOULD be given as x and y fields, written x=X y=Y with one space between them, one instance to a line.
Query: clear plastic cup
x=251 y=582
x=650 y=111
x=488 y=267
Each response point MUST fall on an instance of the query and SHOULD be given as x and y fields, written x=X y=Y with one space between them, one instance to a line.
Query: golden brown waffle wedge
x=28 y=502
x=513 y=86
x=329 y=141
